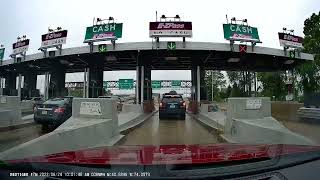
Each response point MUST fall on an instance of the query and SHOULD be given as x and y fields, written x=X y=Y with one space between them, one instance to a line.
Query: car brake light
x=162 y=104
x=184 y=104
x=59 y=110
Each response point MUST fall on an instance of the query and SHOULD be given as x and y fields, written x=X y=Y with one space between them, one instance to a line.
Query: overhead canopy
x=126 y=56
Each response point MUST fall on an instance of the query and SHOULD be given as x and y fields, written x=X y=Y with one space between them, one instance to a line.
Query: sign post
x=240 y=32
x=237 y=32
x=103 y=32
x=20 y=47
x=289 y=40
x=53 y=39
x=125 y=83
x=171 y=28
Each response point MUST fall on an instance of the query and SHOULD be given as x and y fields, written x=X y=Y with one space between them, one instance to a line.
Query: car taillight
x=59 y=110
x=162 y=105
x=183 y=104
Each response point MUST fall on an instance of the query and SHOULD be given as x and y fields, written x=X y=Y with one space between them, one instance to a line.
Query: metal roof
x=126 y=56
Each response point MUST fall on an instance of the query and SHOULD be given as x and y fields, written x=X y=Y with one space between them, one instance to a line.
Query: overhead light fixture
x=233 y=60
x=171 y=58
x=111 y=58
x=288 y=62
x=62 y=61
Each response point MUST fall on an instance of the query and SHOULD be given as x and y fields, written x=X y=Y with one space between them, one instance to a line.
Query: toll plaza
x=96 y=115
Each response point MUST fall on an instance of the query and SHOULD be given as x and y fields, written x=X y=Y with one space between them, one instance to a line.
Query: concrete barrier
x=10 y=111
x=249 y=121
x=94 y=123
x=131 y=108
x=26 y=106
x=285 y=110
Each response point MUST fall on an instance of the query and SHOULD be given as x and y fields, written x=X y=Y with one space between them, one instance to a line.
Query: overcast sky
x=33 y=17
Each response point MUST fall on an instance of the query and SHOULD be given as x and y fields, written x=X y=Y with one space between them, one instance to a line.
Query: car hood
x=170 y=154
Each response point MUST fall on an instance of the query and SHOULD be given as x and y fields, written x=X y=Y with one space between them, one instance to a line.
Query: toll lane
x=169 y=131
x=11 y=138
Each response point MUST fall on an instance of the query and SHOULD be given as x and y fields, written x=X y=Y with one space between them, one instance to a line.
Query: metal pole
x=46 y=84
x=255 y=84
x=137 y=85
x=198 y=84
x=84 y=82
x=19 y=85
x=212 y=85
x=142 y=84
x=88 y=82
x=1 y=86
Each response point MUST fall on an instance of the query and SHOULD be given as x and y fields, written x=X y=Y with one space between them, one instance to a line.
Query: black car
x=172 y=105
x=53 y=112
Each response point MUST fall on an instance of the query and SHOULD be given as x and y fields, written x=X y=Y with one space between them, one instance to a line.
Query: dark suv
x=172 y=105
x=53 y=112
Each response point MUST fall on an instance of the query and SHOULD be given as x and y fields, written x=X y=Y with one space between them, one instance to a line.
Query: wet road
x=11 y=138
x=310 y=130
x=171 y=131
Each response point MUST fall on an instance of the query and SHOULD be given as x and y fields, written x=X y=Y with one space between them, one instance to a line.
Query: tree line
x=306 y=77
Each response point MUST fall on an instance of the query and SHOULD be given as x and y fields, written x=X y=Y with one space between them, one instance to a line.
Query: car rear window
x=172 y=99
x=56 y=101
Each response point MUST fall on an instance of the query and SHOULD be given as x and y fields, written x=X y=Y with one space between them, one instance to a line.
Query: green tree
x=244 y=81
x=218 y=80
x=235 y=92
x=75 y=92
x=273 y=84
x=309 y=72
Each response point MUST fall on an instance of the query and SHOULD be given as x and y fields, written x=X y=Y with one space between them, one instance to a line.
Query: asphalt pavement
x=170 y=131
x=13 y=137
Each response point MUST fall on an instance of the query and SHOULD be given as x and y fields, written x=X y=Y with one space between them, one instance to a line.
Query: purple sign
x=288 y=40
x=170 y=29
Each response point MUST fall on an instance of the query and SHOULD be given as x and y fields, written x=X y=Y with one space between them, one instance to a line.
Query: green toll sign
x=156 y=84
x=239 y=32
x=292 y=54
x=125 y=83
x=175 y=83
x=103 y=32
x=102 y=48
x=171 y=45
